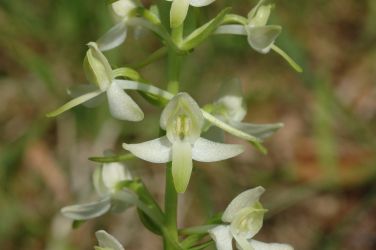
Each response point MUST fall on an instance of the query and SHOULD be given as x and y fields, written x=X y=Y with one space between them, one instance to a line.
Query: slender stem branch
x=158 y=54
x=174 y=67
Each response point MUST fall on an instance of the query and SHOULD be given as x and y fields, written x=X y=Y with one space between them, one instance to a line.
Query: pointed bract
x=107 y=241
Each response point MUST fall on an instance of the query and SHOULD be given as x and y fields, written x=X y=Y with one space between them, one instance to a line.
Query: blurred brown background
x=321 y=168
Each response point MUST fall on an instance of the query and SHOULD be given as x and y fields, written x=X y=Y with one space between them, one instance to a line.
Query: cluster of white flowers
x=182 y=118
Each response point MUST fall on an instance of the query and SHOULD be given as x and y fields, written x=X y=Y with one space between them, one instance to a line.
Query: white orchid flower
x=179 y=10
x=244 y=216
x=105 y=180
x=261 y=36
x=99 y=72
x=107 y=242
x=122 y=11
x=183 y=120
x=231 y=108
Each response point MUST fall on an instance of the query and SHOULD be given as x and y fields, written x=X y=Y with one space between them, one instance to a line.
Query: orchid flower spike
x=244 y=219
x=261 y=36
x=231 y=108
x=179 y=10
x=122 y=10
x=106 y=178
x=183 y=120
x=99 y=72
x=107 y=242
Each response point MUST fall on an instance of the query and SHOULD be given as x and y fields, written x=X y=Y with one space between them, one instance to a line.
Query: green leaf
x=148 y=223
x=203 y=32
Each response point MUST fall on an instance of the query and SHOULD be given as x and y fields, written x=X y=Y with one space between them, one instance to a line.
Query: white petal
x=200 y=3
x=99 y=185
x=262 y=38
x=156 y=151
x=122 y=8
x=260 y=131
x=113 y=173
x=87 y=211
x=82 y=89
x=121 y=104
x=222 y=237
x=242 y=243
x=244 y=199
x=113 y=38
x=181 y=165
x=232 y=29
x=258 y=245
x=123 y=199
x=208 y=151
x=108 y=241
x=178 y=12
x=73 y=103
x=253 y=11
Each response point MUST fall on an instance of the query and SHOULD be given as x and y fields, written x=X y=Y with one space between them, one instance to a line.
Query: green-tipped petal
x=114 y=37
x=87 y=211
x=107 y=241
x=97 y=68
x=181 y=165
x=73 y=103
x=231 y=29
x=122 y=106
x=261 y=17
x=258 y=245
x=243 y=200
x=208 y=151
x=178 y=12
x=252 y=13
x=222 y=237
x=262 y=38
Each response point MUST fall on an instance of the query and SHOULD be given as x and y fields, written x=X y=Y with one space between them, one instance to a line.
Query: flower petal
x=156 y=151
x=113 y=173
x=73 y=103
x=260 y=131
x=261 y=38
x=222 y=237
x=99 y=185
x=82 y=89
x=181 y=164
x=232 y=29
x=208 y=151
x=253 y=11
x=108 y=241
x=243 y=200
x=258 y=245
x=87 y=211
x=123 y=199
x=242 y=243
x=122 y=106
x=178 y=12
x=200 y=3
x=97 y=68
x=114 y=37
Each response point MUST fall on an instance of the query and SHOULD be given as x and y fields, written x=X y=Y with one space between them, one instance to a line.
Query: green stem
x=174 y=67
x=171 y=203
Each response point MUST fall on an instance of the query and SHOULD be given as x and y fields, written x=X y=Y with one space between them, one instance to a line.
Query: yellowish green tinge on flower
x=99 y=72
x=243 y=219
x=107 y=242
x=179 y=10
x=105 y=179
x=183 y=120
x=261 y=36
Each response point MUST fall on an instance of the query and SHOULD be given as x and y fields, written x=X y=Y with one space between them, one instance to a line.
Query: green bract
x=244 y=216
x=179 y=10
x=183 y=120
x=105 y=179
